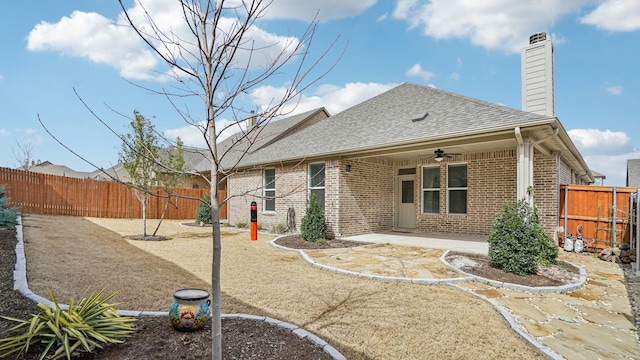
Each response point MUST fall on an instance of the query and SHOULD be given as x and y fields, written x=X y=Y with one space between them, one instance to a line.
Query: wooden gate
x=603 y=214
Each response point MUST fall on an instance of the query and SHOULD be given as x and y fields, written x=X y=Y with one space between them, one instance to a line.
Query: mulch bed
x=298 y=242
x=486 y=270
x=155 y=338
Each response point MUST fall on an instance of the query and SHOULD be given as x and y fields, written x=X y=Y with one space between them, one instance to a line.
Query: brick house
x=416 y=159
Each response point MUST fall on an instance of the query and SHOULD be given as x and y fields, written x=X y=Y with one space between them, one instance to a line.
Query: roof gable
x=234 y=148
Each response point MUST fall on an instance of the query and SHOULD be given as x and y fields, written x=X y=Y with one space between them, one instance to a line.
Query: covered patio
x=463 y=243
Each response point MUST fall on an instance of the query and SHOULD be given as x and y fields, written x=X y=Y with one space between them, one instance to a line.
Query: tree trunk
x=164 y=212
x=216 y=309
x=144 y=216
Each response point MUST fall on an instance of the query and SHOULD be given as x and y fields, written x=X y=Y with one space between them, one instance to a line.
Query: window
x=457 y=188
x=431 y=190
x=316 y=182
x=269 y=190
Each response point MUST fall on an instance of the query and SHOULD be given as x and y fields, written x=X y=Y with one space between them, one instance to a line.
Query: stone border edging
x=308 y=259
x=20 y=284
x=536 y=290
x=515 y=325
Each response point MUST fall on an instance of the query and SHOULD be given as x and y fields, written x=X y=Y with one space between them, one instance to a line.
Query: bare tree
x=216 y=61
x=23 y=154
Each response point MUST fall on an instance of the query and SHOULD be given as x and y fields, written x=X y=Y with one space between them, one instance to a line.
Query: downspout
x=520 y=181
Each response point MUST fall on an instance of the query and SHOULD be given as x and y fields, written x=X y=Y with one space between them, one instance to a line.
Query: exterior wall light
x=348 y=169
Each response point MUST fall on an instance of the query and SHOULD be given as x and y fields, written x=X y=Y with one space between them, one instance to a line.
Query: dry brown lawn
x=362 y=318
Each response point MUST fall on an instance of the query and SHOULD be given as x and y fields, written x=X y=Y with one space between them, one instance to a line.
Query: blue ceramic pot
x=190 y=310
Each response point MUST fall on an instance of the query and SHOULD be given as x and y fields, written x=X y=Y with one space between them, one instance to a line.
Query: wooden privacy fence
x=46 y=194
x=603 y=213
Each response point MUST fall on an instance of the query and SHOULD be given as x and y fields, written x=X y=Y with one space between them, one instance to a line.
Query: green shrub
x=203 y=213
x=313 y=227
x=90 y=324
x=8 y=214
x=517 y=241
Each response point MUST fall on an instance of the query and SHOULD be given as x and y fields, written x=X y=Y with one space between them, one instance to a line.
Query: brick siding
x=364 y=201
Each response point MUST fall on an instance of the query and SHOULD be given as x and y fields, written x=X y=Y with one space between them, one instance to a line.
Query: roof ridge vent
x=419 y=117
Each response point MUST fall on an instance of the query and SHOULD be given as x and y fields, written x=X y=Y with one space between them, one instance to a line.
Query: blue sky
x=470 y=48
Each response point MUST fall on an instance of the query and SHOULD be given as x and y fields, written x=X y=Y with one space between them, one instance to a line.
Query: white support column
x=525 y=169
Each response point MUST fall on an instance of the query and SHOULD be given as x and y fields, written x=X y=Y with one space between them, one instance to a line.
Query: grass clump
x=279 y=228
x=517 y=241
x=90 y=324
x=313 y=227
x=242 y=224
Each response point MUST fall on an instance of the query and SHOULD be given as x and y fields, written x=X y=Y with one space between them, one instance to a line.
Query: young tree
x=218 y=60
x=169 y=175
x=139 y=156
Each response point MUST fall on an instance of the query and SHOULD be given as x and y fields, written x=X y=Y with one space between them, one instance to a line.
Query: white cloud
x=325 y=10
x=92 y=36
x=382 y=17
x=4 y=132
x=193 y=135
x=454 y=76
x=333 y=98
x=605 y=142
x=613 y=89
x=614 y=167
x=606 y=152
x=615 y=15
x=492 y=24
x=1 y=77
x=417 y=70
x=112 y=43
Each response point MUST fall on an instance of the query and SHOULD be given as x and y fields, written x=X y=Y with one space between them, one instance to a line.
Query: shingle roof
x=633 y=173
x=386 y=120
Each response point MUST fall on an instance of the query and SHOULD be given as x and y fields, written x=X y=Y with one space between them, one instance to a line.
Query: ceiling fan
x=440 y=154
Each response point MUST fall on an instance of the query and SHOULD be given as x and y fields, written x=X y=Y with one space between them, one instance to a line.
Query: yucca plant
x=88 y=325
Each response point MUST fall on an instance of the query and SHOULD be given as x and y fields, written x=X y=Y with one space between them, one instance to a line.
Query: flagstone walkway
x=595 y=321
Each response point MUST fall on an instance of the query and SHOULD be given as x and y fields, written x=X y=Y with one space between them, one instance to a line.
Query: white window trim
x=310 y=176
x=457 y=188
x=439 y=189
x=265 y=189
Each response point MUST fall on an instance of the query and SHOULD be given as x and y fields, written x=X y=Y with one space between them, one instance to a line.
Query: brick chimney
x=537 y=76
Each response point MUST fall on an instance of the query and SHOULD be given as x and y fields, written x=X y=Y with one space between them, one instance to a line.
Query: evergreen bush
x=517 y=241
x=8 y=215
x=313 y=227
x=203 y=213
